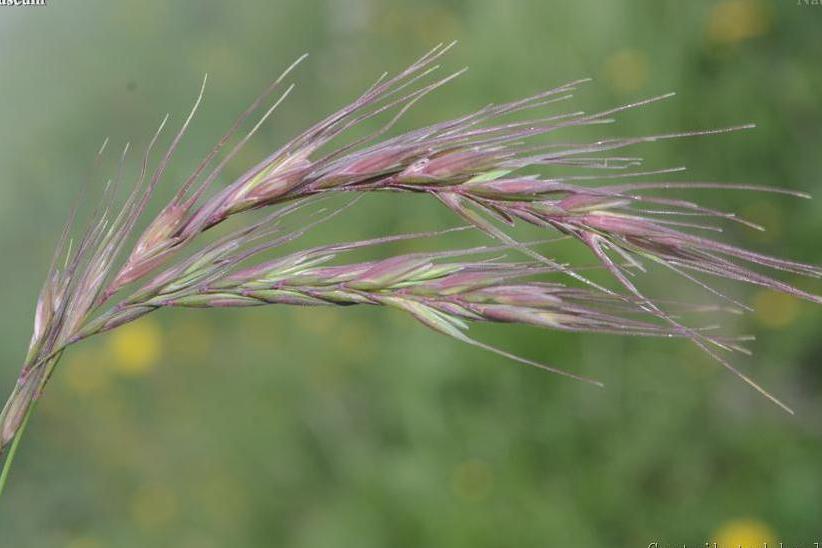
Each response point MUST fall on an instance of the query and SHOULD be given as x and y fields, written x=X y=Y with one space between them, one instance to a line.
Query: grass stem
x=13 y=449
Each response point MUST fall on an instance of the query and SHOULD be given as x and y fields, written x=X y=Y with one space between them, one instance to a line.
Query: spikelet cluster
x=486 y=167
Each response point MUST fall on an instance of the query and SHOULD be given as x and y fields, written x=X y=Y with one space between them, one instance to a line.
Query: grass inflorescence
x=475 y=165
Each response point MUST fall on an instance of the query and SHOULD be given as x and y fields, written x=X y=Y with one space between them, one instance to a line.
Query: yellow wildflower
x=775 y=310
x=734 y=21
x=135 y=347
x=747 y=533
x=627 y=70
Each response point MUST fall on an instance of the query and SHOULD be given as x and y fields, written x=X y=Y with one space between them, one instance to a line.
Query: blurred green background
x=360 y=428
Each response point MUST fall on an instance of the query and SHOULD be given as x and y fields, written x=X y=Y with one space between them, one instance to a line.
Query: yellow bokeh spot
x=627 y=70
x=744 y=533
x=153 y=506
x=135 y=347
x=472 y=480
x=85 y=371
x=775 y=310
x=734 y=21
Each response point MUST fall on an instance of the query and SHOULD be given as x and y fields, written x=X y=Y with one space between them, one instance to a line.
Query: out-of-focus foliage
x=314 y=427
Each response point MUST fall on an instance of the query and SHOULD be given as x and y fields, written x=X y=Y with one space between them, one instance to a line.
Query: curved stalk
x=4 y=475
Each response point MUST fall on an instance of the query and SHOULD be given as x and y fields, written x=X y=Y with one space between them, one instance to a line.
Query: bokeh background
x=360 y=428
